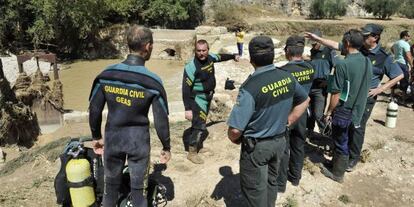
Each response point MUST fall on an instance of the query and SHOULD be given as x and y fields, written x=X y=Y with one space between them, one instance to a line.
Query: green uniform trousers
x=259 y=170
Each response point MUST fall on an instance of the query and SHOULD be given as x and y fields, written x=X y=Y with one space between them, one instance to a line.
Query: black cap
x=295 y=41
x=372 y=29
x=316 y=32
x=261 y=45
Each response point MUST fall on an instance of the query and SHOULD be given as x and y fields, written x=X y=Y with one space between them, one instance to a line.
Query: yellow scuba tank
x=80 y=182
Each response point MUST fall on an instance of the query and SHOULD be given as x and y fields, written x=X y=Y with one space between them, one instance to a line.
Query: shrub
x=227 y=13
x=331 y=9
x=175 y=13
x=407 y=9
x=382 y=9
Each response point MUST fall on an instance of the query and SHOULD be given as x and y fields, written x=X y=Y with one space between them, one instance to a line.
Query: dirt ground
x=386 y=179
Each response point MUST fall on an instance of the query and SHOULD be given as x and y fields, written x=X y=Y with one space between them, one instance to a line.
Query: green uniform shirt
x=349 y=79
x=265 y=101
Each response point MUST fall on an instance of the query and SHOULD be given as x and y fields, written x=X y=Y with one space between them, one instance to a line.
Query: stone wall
x=180 y=41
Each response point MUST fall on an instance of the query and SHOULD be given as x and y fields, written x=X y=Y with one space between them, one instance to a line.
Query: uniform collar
x=294 y=62
x=353 y=55
x=134 y=60
x=263 y=69
x=376 y=49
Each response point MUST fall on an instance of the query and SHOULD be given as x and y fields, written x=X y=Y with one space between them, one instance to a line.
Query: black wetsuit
x=128 y=89
x=198 y=87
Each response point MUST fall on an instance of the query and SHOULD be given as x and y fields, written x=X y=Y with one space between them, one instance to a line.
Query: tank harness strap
x=87 y=182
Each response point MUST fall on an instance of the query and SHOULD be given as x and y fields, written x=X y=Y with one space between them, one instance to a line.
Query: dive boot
x=336 y=173
x=193 y=156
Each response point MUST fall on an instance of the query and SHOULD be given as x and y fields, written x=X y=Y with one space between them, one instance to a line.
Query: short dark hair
x=262 y=59
x=294 y=51
x=138 y=37
x=202 y=42
x=354 y=38
x=404 y=34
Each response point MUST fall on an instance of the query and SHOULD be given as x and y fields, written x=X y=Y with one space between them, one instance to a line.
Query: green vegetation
x=227 y=13
x=344 y=199
x=321 y=9
x=382 y=9
x=407 y=9
x=69 y=27
x=290 y=202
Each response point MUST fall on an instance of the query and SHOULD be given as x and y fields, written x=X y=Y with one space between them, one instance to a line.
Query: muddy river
x=77 y=79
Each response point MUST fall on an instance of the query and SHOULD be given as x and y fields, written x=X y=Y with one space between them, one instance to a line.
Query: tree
x=382 y=9
x=15 y=18
x=335 y=8
x=174 y=13
x=327 y=9
x=317 y=9
x=72 y=26
x=65 y=23
x=407 y=9
x=125 y=10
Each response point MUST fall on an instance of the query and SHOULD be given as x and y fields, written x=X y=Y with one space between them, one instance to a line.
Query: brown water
x=77 y=79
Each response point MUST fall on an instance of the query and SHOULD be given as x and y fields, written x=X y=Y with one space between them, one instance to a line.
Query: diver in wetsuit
x=198 y=87
x=129 y=89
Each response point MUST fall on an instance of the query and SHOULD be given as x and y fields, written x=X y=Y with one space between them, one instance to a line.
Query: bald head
x=138 y=37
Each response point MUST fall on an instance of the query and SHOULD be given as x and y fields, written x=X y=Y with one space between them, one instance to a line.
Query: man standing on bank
x=402 y=54
x=198 y=87
x=349 y=91
x=268 y=101
x=129 y=89
x=292 y=161
x=382 y=63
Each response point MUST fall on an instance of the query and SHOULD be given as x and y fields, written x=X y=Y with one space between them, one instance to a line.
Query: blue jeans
x=240 y=48
x=342 y=129
x=405 y=82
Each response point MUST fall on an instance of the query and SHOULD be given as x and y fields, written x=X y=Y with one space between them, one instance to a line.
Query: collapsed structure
x=30 y=103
